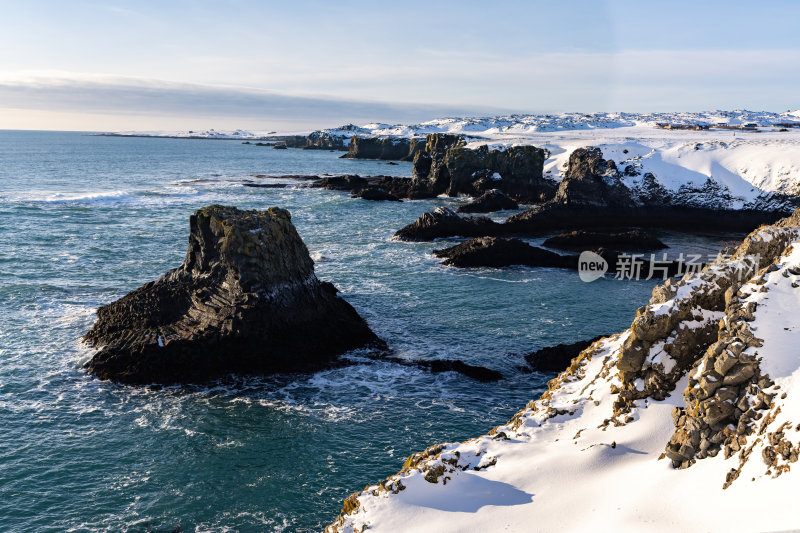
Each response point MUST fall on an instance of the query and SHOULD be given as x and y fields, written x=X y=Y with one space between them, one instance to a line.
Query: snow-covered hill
x=728 y=161
x=687 y=421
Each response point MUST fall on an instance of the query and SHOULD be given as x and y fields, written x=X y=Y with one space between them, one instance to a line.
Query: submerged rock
x=587 y=240
x=245 y=300
x=492 y=200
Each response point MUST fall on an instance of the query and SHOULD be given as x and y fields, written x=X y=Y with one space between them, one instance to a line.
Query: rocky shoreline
x=699 y=333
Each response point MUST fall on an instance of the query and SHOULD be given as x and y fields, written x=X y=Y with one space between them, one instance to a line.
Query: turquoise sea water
x=85 y=219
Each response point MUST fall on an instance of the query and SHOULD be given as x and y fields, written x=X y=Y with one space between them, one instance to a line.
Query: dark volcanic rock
x=493 y=200
x=392 y=148
x=348 y=182
x=446 y=166
x=245 y=300
x=557 y=358
x=265 y=185
x=391 y=186
x=495 y=252
x=591 y=180
x=549 y=217
x=479 y=373
x=376 y=194
x=443 y=221
x=589 y=240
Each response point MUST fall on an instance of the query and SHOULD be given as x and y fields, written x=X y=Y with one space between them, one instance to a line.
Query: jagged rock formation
x=391 y=148
x=587 y=240
x=490 y=201
x=444 y=221
x=592 y=181
x=727 y=392
x=245 y=300
x=725 y=335
x=590 y=197
x=447 y=166
x=494 y=252
x=557 y=358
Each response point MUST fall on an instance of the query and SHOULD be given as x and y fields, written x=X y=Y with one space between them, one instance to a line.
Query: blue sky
x=99 y=65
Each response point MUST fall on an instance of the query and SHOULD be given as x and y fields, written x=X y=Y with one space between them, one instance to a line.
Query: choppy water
x=84 y=220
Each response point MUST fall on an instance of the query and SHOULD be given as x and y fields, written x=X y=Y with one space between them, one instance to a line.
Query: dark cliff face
x=385 y=148
x=446 y=166
x=316 y=140
x=245 y=300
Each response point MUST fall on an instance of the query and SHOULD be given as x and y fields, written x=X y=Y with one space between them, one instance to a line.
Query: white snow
x=574 y=472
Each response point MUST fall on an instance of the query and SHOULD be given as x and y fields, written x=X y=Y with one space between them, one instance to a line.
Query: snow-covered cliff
x=689 y=421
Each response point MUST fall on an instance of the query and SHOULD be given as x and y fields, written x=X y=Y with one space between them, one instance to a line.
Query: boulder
x=492 y=200
x=244 y=301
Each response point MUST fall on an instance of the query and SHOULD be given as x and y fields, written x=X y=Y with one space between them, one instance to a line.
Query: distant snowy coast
x=747 y=153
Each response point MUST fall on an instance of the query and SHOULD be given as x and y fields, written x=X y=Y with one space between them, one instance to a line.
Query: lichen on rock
x=245 y=300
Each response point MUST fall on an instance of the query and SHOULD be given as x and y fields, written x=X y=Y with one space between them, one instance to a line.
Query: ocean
x=86 y=219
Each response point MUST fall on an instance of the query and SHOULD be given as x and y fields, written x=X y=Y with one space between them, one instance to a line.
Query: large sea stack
x=245 y=301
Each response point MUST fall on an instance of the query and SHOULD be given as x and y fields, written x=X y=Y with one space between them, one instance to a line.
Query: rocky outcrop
x=551 y=217
x=245 y=300
x=444 y=221
x=591 y=180
x=495 y=252
x=634 y=240
x=385 y=148
x=702 y=331
x=316 y=140
x=447 y=166
x=557 y=358
x=728 y=393
x=490 y=201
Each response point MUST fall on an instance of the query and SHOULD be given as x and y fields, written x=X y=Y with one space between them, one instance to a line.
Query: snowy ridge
x=522 y=124
x=591 y=451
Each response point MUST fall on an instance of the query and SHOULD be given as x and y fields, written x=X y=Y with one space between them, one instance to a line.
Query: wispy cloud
x=117 y=95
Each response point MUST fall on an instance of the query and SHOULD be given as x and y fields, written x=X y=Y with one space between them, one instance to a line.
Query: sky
x=97 y=65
